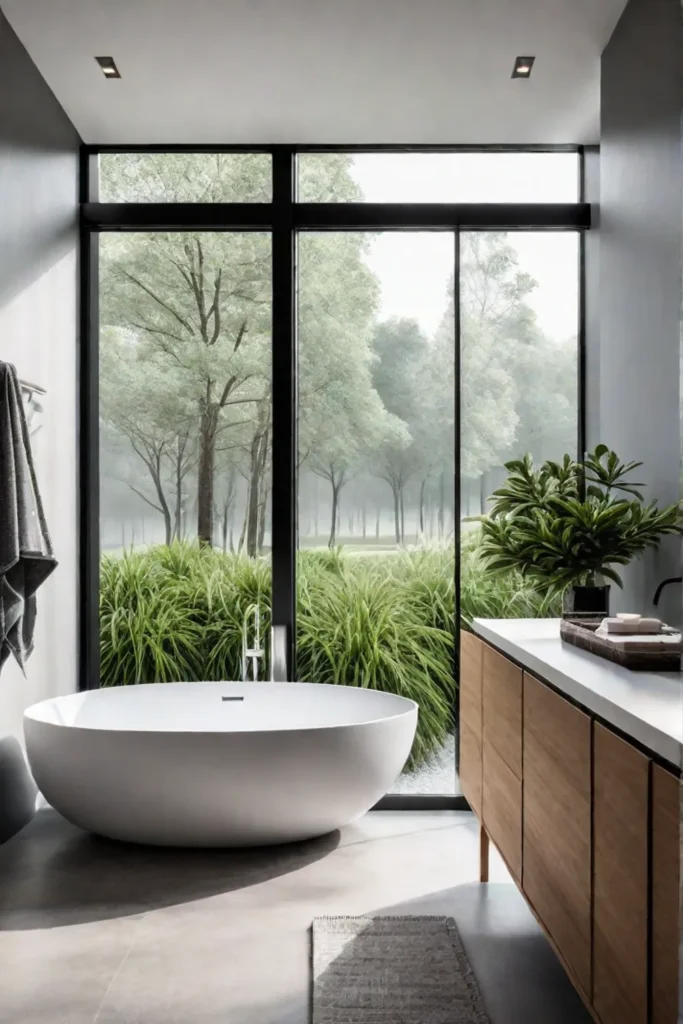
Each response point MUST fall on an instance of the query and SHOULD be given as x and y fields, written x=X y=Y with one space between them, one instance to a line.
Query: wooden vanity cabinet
x=589 y=826
x=557 y=824
x=666 y=853
x=502 y=708
x=620 y=880
x=470 y=767
x=503 y=809
x=502 y=756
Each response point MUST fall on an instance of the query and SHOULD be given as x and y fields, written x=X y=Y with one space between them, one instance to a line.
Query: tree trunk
x=253 y=500
x=364 y=521
x=397 y=513
x=264 y=490
x=207 y=451
x=155 y=471
x=403 y=520
x=262 y=520
x=178 y=515
x=224 y=525
x=243 y=534
x=422 y=505
x=335 y=510
x=252 y=518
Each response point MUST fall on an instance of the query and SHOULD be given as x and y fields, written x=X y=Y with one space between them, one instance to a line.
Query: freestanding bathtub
x=218 y=764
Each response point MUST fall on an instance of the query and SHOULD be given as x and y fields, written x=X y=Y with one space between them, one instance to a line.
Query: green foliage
x=490 y=596
x=176 y=612
x=385 y=622
x=569 y=522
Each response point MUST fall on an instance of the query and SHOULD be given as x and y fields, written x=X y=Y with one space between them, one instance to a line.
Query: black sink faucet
x=665 y=583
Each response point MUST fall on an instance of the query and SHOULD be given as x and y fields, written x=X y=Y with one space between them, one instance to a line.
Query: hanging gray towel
x=26 y=558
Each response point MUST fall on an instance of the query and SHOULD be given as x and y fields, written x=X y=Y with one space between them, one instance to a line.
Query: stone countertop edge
x=646 y=706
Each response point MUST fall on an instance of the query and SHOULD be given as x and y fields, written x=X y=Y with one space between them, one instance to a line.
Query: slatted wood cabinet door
x=502 y=706
x=557 y=823
x=620 y=880
x=470 y=769
x=666 y=840
x=502 y=756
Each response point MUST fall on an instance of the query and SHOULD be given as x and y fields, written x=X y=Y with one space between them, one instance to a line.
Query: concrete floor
x=93 y=932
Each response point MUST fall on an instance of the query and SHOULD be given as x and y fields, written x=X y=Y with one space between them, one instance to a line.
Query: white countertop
x=648 y=706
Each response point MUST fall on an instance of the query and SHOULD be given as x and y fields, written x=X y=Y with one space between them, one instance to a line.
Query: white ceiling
x=322 y=71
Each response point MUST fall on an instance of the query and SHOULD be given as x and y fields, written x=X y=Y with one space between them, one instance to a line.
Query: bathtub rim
x=412 y=707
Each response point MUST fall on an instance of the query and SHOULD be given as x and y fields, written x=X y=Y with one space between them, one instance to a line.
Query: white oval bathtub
x=218 y=764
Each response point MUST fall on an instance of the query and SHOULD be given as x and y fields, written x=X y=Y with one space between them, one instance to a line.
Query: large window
x=519 y=323
x=376 y=567
x=185 y=178
x=185 y=442
x=302 y=409
x=484 y=177
x=519 y=330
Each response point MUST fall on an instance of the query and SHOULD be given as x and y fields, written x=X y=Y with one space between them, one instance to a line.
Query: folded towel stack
x=632 y=624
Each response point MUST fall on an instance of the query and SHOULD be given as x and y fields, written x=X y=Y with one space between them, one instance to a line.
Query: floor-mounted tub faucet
x=251 y=655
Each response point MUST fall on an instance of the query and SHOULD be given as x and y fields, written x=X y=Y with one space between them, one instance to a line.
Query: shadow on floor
x=53 y=874
x=520 y=978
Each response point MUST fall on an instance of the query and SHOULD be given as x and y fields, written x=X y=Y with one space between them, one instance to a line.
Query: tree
x=141 y=403
x=493 y=316
x=341 y=417
x=199 y=305
x=399 y=375
x=545 y=376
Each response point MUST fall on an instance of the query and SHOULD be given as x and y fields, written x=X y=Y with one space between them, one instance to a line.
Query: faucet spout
x=251 y=655
x=662 y=585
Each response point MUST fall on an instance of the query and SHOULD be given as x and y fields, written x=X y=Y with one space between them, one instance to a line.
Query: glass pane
x=438 y=177
x=185 y=178
x=519 y=308
x=376 y=466
x=185 y=421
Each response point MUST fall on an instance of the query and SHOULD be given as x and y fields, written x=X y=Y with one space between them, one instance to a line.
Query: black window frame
x=284 y=218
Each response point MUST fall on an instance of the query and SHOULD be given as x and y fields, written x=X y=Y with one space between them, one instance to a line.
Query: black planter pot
x=592 y=601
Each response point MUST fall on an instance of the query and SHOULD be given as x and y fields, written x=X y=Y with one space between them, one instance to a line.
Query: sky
x=414 y=267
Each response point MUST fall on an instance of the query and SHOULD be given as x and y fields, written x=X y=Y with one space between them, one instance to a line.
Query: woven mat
x=392 y=970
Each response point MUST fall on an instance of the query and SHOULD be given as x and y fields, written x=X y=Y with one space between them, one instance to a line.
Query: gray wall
x=38 y=322
x=640 y=268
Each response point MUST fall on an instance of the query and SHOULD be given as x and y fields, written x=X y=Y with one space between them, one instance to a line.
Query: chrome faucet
x=662 y=585
x=251 y=655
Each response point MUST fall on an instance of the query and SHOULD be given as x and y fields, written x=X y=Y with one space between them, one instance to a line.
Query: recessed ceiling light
x=523 y=66
x=109 y=68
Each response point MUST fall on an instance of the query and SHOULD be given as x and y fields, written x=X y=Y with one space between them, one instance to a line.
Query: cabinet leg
x=483 y=854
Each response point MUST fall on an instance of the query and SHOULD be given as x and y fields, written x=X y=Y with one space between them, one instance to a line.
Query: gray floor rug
x=392 y=970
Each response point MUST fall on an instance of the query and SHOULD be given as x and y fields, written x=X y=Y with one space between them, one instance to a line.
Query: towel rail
x=33 y=389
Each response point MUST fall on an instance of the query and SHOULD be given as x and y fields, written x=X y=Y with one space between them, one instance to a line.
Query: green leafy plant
x=383 y=621
x=571 y=523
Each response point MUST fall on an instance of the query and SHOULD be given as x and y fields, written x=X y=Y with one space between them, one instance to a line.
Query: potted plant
x=567 y=525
